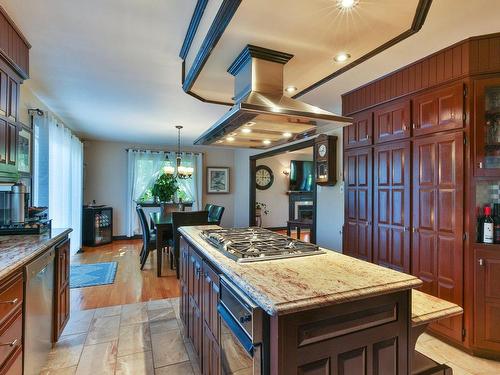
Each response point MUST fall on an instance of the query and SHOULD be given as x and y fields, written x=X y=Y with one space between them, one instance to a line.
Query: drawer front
x=11 y=336
x=11 y=296
x=14 y=366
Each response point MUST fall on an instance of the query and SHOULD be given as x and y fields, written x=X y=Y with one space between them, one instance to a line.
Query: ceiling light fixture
x=179 y=171
x=347 y=4
x=230 y=139
x=287 y=135
x=290 y=89
x=341 y=57
x=266 y=142
x=246 y=130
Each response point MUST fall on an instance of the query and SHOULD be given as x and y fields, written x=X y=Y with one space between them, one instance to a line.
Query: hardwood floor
x=131 y=284
x=304 y=234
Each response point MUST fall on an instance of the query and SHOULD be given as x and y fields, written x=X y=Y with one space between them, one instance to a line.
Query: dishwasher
x=39 y=299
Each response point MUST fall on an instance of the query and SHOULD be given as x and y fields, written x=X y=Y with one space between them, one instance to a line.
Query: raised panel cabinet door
x=211 y=353
x=12 y=139
x=439 y=110
x=12 y=100
x=358 y=203
x=437 y=241
x=391 y=213
x=62 y=302
x=487 y=127
x=195 y=277
x=487 y=299
x=392 y=122
x=4 y=90
x=211 y=299
x=196 y=329
x=360 y=133
x=3 y=142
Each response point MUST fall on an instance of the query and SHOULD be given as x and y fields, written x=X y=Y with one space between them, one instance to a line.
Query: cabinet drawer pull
x=11 y=302
x=415 y=126
x=11 y=344
x=481 y=262
x=480 y=165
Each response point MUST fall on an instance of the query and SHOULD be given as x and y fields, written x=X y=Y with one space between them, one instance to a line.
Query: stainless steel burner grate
x=257 y=244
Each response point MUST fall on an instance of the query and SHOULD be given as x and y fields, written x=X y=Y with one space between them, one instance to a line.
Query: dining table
x=162 y=221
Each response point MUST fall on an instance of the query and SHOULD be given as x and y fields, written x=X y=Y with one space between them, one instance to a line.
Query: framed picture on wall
x=24 y=151
x=217 y=180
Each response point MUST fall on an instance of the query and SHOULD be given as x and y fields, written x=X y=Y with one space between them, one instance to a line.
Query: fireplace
x=301 y=204
x=303 y=210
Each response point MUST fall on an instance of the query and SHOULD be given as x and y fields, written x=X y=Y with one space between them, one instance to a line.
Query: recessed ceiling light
x=246 y=130
x=230 y=139
x=250 y=123
x=347 y=4
x=266 y=141
x=341 y=57
x=287 y=135
x=219 y=141
x=291 y=89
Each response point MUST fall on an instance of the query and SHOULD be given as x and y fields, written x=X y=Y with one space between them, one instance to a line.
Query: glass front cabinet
x=487 y=127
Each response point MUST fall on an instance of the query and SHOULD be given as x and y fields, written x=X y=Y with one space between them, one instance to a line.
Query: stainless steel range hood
x=262 y=117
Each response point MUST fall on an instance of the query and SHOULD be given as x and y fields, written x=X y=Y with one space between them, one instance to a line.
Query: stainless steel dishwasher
x=39 y=306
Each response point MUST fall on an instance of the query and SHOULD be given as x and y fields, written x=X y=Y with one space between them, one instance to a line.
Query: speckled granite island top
x=17 y=250
x=289 y=285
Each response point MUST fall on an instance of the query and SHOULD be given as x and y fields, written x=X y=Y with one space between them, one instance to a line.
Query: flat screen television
x=301 y=175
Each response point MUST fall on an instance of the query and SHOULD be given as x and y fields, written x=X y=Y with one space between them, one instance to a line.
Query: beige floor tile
x=66 y=352
x=135 y=364
x=168 y=348
x=108 y=311
x=60 y=371
x=103 y=330
x=79 y=322
x=162 y=326
x=98 y=359
x=134 y=338
x=159 y=304
x=134 y=314
x=178 y=369
x=161 y=314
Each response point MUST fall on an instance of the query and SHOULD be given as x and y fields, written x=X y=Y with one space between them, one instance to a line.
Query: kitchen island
x=34 y=298
x=319 y=314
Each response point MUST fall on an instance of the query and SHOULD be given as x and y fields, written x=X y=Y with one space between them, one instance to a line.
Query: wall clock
x=264 y=177
x=326 y=150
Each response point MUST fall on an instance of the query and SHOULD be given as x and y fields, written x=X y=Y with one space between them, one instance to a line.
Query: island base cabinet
x=62 y=300
x=211 y=352
x=363 y=337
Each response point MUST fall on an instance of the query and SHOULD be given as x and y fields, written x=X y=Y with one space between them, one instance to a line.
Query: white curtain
x=65 y=179
x=143 y=170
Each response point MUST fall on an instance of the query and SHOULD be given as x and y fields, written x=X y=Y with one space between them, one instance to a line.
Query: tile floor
x=146 y=338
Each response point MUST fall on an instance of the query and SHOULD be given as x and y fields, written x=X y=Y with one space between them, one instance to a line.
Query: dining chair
x=148 y=238
x=215 y=213
x=184 y=219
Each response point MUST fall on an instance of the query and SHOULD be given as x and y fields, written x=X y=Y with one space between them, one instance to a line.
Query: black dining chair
x=148 y=237
x=215 y=214
x=184 y=219
x=208 y=207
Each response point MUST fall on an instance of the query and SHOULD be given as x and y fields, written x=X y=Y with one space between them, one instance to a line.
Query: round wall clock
x=322 y=150
x=264 y=177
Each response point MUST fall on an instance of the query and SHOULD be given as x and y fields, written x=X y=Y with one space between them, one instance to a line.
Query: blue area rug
x=82 y=275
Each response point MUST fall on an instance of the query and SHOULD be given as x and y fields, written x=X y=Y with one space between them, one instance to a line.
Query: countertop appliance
x=244 y=344
x=18 y=203
x=257 y=244
x=97 y=226
x=39 y=296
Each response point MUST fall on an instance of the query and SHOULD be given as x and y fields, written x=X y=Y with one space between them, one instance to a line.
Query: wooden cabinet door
x=392 y=122
x=4 y=137
x=12 y=100
x=360 y=132
x=12 y=140
x=211 y=352
x=4 y=91
x=211 y=294
x=439 y=110
x=487 y=127
x=62 y=300
x=184 y=266
x=195 y=328
x=437 y=245
x=358 y=203
x=195 y=279
x=391 y=214
x=487 y=299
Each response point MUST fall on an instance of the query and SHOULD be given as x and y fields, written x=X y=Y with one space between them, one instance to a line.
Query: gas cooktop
x=256 y=244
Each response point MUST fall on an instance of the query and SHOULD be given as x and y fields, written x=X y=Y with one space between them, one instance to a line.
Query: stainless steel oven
x=244 y=338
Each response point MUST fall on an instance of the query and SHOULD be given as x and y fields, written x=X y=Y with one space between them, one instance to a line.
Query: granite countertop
x=295 y=284
x=427 y=309
x=17 y=250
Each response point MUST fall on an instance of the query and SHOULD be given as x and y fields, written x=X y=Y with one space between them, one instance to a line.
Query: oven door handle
x=236 y=329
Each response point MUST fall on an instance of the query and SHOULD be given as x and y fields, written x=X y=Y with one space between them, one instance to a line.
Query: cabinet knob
x=405 y=127
x=406 y=229
x=413 y=229
x=481 y=262
x=480 y=165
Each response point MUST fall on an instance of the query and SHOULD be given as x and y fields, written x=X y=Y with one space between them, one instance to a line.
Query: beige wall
x=105 y=178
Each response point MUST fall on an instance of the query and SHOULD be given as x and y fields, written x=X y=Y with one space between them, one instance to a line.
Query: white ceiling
x=110 y=68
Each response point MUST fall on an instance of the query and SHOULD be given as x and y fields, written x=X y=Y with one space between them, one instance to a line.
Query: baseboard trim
x=121 y=238
x=275 y=229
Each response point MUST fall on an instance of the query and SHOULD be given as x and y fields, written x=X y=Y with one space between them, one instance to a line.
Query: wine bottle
x=479 y=226
x=488 y=225
x=496 y=219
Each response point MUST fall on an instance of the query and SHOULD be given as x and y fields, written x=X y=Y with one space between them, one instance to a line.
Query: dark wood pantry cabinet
x=436 y=163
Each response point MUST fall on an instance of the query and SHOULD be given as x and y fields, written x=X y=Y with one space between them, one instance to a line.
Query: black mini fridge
x=97 y=225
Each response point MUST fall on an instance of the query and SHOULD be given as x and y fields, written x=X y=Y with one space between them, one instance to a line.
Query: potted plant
x=164 y=189
x=260 y=208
